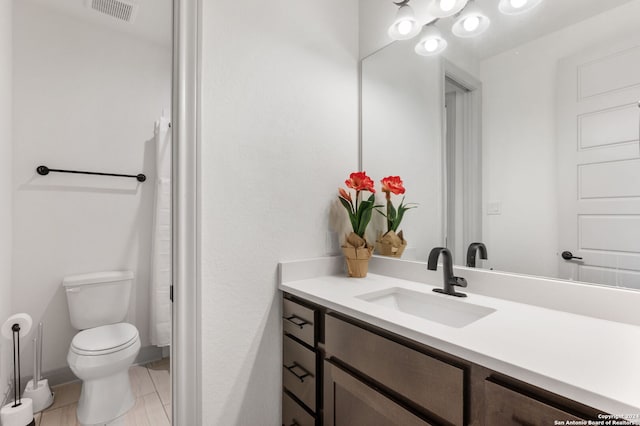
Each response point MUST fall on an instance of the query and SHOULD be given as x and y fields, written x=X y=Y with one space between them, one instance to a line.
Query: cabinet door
x=506 y=407
x=434 y=385
x=350 y=402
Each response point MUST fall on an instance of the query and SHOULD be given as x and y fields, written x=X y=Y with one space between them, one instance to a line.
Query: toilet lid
x=104 y=339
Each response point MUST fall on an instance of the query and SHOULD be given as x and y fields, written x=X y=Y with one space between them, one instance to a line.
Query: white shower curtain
x=161 y=244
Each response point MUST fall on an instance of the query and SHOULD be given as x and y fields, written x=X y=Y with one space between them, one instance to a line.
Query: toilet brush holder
x=38 y=389
x=40 y=395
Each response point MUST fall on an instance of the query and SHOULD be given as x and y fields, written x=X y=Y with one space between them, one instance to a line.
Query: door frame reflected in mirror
x=462 y=161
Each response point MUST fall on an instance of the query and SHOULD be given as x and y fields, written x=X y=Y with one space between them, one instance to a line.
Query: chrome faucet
x=447 y=269
x=471 y=253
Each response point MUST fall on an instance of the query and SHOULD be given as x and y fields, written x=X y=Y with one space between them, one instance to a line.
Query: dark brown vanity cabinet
x=301 y=368
x=432 y=387
x=364 y=375
x=350 y=401
x=508 y=407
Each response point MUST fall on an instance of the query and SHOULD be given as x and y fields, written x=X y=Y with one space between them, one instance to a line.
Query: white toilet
x=101 y=354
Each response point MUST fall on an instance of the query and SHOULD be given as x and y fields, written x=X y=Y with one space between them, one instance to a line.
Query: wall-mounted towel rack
x=44 y=170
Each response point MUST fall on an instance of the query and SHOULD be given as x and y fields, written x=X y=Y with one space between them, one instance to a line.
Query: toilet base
x=104 y=400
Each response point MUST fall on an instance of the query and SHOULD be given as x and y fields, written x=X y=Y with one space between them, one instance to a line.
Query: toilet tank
x=99 y=298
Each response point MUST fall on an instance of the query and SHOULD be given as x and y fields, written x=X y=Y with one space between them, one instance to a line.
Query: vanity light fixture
x=431 y=42
x=405 y=26
x=516 y=7
x=446 y=8
x=471 y=22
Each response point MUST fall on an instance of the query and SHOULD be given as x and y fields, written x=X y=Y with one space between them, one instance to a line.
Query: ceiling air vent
x=121 y=10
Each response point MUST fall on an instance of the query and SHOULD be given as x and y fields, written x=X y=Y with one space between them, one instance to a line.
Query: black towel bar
x=44 y=170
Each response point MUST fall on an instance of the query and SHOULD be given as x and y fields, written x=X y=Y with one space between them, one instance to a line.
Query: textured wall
x=279 y=135
x=5 y=186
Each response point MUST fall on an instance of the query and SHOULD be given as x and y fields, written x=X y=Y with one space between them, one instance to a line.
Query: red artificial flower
x=360 y=182
x=392 y=184
x=344 y=194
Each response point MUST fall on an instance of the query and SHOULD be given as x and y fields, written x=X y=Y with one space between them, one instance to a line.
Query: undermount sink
x=441 y=309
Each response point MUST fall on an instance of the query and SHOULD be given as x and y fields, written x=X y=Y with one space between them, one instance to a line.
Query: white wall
x=5 y=187
x=519 y=150
x=279 y=136
x=85 y=98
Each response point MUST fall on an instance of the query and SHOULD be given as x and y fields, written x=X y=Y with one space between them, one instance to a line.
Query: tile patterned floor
x=151 y=387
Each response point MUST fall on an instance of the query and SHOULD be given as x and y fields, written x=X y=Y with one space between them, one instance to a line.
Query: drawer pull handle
x=302 y=376
x=296 y=321
x=295 y=423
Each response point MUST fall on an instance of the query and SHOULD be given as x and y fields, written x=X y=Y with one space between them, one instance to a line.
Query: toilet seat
x=104 y=340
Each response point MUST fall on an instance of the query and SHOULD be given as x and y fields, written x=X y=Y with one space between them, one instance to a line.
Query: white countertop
x=593 y=361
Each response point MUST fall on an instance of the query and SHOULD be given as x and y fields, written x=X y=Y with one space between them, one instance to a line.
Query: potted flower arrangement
x=392 y=243
x=356 y=249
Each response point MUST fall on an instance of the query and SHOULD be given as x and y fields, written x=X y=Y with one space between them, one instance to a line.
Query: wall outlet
x=494 y=208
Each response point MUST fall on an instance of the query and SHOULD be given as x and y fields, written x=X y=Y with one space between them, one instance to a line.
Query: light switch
x=494 y=208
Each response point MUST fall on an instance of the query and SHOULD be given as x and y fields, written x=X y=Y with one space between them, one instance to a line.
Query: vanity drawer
x=294 y=414
x=432 y=384
x=298 y=321
x=299 y=371
x=508 y=407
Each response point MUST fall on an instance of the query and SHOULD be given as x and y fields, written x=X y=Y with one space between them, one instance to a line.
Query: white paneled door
x=599 y=165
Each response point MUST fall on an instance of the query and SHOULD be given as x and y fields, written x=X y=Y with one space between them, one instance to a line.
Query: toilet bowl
x=101 y=358
x=100 y=355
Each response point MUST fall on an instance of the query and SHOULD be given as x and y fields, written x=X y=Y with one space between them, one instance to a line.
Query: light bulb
x=517 y=4
x=447 y=5
x=431 y=45
x=404 y=27
x=471 y=23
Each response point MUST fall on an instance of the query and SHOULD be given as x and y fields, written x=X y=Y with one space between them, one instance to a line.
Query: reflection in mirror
x=553 y=158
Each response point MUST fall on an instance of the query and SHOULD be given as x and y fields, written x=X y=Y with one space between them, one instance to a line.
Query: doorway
x=462 y=161
x=93 y=92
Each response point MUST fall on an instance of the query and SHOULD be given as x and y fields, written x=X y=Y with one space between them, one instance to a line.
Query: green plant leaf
x=363 y=217
x=347 y=205
x=380 y=211
x=352 y=217
x=402 y=209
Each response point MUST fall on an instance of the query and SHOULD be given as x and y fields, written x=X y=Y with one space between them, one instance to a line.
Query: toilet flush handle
x=73 y=290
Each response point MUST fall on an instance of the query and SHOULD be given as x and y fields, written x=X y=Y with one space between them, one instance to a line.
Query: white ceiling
x=505 y=32
x=152 y=21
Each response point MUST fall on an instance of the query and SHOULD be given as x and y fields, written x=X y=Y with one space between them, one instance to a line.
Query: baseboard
x=149 y=354
x=63 y=375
